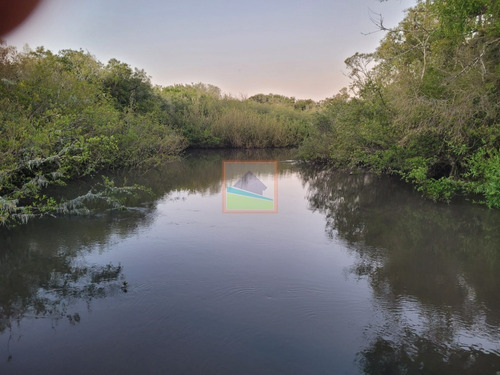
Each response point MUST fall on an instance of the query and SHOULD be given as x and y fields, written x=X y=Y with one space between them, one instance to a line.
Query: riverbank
x=65 y=116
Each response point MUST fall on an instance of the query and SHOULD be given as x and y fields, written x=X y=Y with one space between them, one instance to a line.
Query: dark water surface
x=355 y=274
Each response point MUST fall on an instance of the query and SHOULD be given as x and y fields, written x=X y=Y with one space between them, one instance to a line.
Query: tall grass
x=208 y=119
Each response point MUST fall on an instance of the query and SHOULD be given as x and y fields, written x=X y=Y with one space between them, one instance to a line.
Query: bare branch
x=377 y=20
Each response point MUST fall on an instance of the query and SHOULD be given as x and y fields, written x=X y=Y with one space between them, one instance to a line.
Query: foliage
x=67 y=115
x=209 y=119
x=484 y=173
x=61 y=119
x=425 y=105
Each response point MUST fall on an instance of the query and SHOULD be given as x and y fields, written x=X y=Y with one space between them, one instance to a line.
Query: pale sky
x=288 y=47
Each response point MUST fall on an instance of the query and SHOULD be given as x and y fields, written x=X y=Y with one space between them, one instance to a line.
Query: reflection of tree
x=51 y=296
x=43 y=274
x=200 y=171
x=434 y=270
x=39 y=274
x=417 y=355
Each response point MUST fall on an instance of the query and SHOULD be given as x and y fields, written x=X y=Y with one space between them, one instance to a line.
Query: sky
x=288 y=47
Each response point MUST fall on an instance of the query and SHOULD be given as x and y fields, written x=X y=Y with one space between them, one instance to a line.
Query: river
x=354 y=274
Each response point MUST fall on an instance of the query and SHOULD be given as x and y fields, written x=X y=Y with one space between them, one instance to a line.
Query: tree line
x=66 y=115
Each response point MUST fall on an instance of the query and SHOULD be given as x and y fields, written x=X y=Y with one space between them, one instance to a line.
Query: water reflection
x=434 y=271
x=43 y=272
x=199 y=171
x=433 y=274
